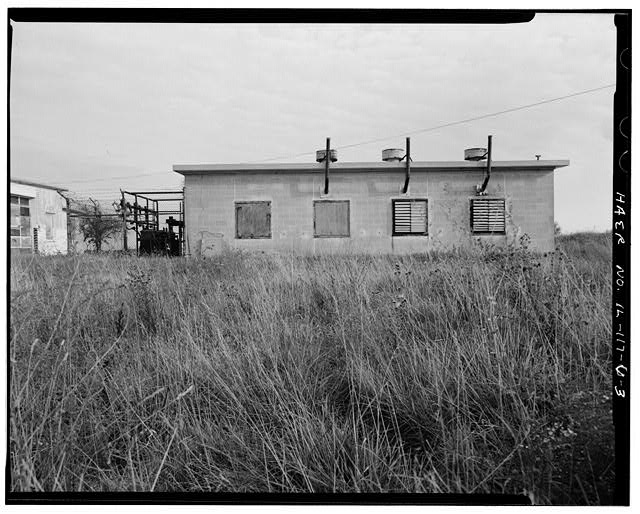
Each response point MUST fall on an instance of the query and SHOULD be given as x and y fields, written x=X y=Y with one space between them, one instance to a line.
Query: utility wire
x=451 y=124
x=131 y=177
x=116 y=187
x=377 y=140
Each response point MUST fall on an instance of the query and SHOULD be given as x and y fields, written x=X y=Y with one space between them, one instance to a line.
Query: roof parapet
x=363 y=167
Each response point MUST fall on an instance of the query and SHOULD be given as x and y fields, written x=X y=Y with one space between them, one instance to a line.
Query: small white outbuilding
x=38 y=218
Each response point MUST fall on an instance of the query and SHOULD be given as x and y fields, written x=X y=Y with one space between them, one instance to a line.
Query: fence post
x=69 y=246
x=124 y=222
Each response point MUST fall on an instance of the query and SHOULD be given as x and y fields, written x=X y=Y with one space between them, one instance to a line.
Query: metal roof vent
x=475 y=154
x=321 y=153
x=392 y=154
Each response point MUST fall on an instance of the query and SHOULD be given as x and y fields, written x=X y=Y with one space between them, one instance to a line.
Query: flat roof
x=362 y=167
x=36 y=184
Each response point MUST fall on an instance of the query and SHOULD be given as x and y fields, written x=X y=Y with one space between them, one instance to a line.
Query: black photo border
x=621 y=235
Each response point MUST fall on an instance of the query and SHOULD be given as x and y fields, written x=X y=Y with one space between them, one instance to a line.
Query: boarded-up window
x=487 y=216
x=49 y=226
x=331 y=218
x=409 y=217
x=253 y=220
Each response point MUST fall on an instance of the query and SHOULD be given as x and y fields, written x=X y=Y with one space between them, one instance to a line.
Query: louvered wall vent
x=409 y=217
x=488 y=216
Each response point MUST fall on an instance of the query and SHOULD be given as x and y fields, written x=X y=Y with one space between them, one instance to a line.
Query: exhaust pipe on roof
x=482 y=189
x=327 y=160
x=326 y=156
x=408 y=168
x=395 y=155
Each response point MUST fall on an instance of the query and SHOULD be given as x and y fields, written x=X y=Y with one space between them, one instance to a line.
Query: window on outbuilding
x=253 y=220
x=487 y=216
x=20 y=222
x=49 y=226
x=331 y=218
x=410 y=217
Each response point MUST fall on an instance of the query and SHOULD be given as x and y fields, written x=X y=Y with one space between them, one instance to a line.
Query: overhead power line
x=451 y=124
x=116 y=189
x=131 y=177
x=380 y=139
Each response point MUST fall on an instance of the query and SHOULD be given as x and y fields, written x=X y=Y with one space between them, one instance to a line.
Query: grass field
x=472 y=372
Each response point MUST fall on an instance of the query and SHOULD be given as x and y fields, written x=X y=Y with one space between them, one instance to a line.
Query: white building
x=38 y=218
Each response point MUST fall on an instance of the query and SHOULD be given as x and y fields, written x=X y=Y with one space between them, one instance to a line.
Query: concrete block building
x=38 y=218
x=283 y=207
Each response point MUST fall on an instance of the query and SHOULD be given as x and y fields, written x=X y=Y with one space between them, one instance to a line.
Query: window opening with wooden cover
x=331 y=218
x=20 y=222
x=409 y=217
x=488 y=216
x=49 y=226
x=253 y=220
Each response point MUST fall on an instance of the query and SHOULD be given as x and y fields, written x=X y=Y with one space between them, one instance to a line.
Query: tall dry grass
x=479 y=371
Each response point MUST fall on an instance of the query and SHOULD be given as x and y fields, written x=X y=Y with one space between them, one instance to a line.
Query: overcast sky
x=94 y=101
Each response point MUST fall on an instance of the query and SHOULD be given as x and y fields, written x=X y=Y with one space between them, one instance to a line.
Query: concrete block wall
x=210 y=209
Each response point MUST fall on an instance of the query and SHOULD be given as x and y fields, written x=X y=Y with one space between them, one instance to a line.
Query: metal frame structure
x=145 y=212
